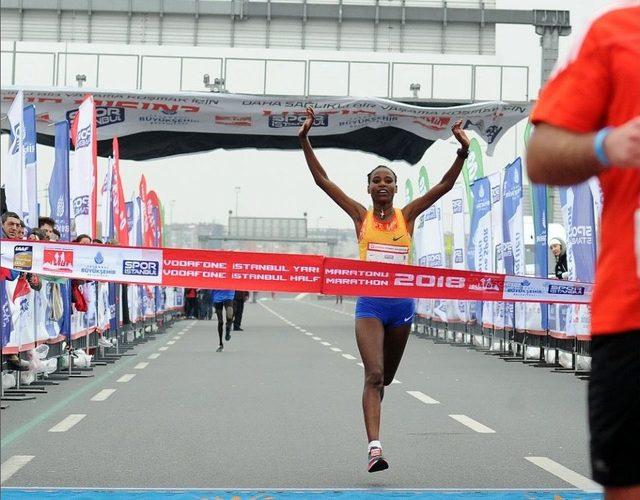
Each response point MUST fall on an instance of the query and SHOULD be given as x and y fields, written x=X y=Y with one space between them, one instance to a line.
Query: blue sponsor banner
x=30 y=165
x=6 y=325
x=541 y=252
x=59 y=183
x=577 y=203
x=478 y=251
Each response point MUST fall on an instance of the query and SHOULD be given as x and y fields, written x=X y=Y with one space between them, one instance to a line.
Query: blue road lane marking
x=206 y=494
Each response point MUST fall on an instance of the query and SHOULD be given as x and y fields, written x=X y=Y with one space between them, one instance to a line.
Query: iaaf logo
x=81 y=205
x=140 y=268
x=296 y=120
x=84 y=137
x=104 y=115
x=233 y=121
x=23 y=257
x=58 y=260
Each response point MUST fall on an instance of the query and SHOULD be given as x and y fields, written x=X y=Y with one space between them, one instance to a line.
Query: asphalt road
x=280 y=408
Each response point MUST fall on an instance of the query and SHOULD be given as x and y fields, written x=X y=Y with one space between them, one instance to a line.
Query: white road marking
x=303 y=330
x=395 y=381
x=316 y=338
x=361 y=364
x=68 y=423
x=335 y=349
x=326 y=343
x=163 y=348
x=308 y=333
x=171 y=342
x=348 y=356
x=176 y=338
x=13 y=465
x=127 y=377
x=421 y=396
x=473 y=424
x=141 y=366
x=565 y=474
x=103 y=394
x=155 y=355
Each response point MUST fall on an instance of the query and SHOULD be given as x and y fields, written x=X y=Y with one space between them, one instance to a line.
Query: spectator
x=11 y=226
x=25 y=231
x=47 y=224
x=238 y=308
x=37 y=235
x=588 y=124
x=55 y=235
x=83 y=239
x=559 y=250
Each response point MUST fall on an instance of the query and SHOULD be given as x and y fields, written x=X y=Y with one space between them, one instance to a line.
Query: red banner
x=119 y=208
x=228 y=270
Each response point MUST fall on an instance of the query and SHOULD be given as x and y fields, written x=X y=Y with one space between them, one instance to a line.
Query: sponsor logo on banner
x=167 y=119
x=81 y=205
x=58 y=260
x=566 y=290
x=360 y=121
x=457 y=206
x=23 y=257
x=104 y=115
x=434 y=260
x=233 y=121
x=140 y=268
x=457 y=255
x=490 y=133
x=84 y=137
x=485 y=284
x=98 y=268
x=431 y=213
x=289 y=120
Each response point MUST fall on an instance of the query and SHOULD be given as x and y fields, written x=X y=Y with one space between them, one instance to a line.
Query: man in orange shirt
x=588 y=124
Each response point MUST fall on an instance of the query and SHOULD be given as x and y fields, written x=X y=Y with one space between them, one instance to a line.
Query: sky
x=202 y=187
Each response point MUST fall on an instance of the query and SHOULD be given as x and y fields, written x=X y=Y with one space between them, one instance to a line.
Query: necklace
x=382 y=214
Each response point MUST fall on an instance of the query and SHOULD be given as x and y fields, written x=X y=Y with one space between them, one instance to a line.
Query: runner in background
x=223 y=299
x=588 y=124
x=384 y=235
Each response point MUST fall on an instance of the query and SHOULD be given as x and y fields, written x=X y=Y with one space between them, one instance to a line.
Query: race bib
x=391 y=254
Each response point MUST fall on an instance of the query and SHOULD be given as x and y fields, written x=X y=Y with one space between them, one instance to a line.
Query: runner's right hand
x=308 y=123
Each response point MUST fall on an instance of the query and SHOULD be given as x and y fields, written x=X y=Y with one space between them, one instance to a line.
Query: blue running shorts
x=390 y=312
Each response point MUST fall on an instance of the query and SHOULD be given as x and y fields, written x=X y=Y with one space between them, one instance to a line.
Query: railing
x=269 y=76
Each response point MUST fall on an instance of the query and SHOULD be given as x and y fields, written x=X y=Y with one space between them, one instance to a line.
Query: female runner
x=384 y=235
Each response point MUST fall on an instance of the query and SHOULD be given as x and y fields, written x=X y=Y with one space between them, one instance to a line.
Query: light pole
x=237 y=188
x=318 y=222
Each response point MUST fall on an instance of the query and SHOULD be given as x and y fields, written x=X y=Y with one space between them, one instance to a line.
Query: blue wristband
x=598 y=146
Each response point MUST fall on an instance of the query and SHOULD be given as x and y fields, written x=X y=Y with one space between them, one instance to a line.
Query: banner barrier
x=280 y=273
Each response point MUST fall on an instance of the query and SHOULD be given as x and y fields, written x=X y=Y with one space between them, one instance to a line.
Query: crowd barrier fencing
x=44 y=343
x=540 y=348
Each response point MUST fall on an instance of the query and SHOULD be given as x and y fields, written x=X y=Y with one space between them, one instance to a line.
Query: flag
x=541 y=251
x=156 y=223
x=460 y=310
x=145 y=215
x=117 y=197
x=30 y=162
x=59 y=183
x=478 y=248
x=106 y=218
x=14 y=173
x=83 y=172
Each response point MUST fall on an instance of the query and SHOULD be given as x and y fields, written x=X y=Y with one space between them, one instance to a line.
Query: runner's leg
x=395 y=340
x=370 y=339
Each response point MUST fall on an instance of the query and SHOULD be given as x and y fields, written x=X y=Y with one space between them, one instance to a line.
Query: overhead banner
x=227 y=270
x=158 y=125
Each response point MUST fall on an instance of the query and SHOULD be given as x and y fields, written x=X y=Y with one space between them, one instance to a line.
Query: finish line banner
x=224 y=270
x=158 y=125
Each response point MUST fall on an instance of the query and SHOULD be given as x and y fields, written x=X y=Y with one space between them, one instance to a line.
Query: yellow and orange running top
x=385 y=241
